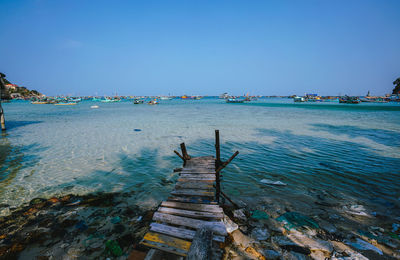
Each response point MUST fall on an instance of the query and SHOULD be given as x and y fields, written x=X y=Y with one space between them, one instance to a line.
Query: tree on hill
x=396 y=84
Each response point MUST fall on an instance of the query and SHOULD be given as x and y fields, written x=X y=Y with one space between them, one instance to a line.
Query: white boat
x=299 y=99
x=165 y=98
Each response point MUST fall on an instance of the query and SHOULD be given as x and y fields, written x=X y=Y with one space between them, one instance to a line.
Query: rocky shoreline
x=107 y=226
x=73 y=227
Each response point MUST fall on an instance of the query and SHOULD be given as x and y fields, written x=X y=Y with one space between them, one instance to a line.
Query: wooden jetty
x=190 y=222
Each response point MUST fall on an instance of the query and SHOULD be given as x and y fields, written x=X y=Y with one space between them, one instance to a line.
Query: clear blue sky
x=201 y=47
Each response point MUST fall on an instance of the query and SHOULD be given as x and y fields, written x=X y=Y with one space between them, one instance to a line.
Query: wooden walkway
x=192 y=205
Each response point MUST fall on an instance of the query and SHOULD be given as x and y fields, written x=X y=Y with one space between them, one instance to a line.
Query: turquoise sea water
x=348 y=154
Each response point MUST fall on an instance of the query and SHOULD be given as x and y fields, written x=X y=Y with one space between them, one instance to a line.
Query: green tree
x=396 y=84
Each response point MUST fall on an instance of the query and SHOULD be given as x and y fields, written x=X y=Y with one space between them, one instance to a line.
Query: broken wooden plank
x=201 y=248
x=199 y=170
x=210 y=169
x=166 y=243
x=199 y=200
x=202 y=189
x=179 y=232
x=190 y=206
x=197 y=179
x=197 y=175
x=216 y=227
x=193 y=185
x=191 y=213
x=191 y=192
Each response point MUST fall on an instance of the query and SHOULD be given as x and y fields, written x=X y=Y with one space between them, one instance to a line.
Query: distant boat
x=234 y=100
x=165 y=98
x=299 y=99
x=224 y=96
x=39 y=102
x=138 y=101
x=95 y=106
x=75 y=100
x=349 y=100
x=107 y=100
x=153 y=102
x=65 y=104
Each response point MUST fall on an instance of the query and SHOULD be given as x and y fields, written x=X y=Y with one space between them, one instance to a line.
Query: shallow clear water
x=350 y=153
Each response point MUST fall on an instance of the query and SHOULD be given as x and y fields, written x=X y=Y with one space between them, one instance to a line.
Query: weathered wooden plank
x=207 y=157
x=197 y=175
x=193 y=185
x=197 y=179
x=209 y=189
x=201 y=245
x=191 y=192
x=190 y=206
x=166 y=243
x=179 y=232
x=199 y=170
x=164 y=247
x=199 y=200
x=216 y=227
x=210 y=169
x=191 y=213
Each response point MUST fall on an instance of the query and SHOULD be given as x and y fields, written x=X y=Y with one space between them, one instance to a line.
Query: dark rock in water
x=287 y=244
x=4 y=205
x=271 y=254
x=81 y=225
x=59 y=232
x=119 y=228
x=295 y=219
x=126 y=240
x=68 y=223
x=177 y=169
x=128 y=212
x=36 y=201
x=137 y=130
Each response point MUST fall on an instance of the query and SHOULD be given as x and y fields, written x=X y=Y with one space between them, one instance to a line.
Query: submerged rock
x=278 y=183
x=271 y=254
x=363 y=245
x=240 y=239
x=259 y=215
x=287 y=244
x=240 y=215
x=229 y=224
x=260 y=234
x=295 y=220
x=357 y=210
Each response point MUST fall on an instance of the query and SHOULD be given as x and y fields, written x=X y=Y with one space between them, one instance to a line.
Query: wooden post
x=233 y=203
x=184 y=152
x=223 y=165
x=201 y=245
x=180 y=156
x=2 y=86
x=217 y=150
x=217 y=165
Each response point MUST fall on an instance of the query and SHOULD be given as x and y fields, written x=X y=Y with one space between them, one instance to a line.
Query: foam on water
x=50 y=150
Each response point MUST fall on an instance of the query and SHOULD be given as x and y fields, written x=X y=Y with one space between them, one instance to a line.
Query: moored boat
x=65 y=104
x=138 y=101
x=349 y=100
x=234 y=100
x=299 y=99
